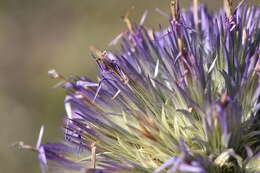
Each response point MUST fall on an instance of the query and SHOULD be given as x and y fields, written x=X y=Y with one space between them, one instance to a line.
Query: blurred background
x=36 y=36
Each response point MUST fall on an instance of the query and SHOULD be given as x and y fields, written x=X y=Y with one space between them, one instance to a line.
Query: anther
x=53 y=74
x=99 y=53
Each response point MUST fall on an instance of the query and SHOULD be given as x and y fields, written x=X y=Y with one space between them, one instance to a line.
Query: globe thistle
x=179 y=99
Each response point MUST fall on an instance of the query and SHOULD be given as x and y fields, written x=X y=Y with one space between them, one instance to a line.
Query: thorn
x=116 y=39
x=195 y=12
x=156 y=69
x=143 y=17
x=39 y=140
x=97 y=92
x=162 y=13
x=116 y=94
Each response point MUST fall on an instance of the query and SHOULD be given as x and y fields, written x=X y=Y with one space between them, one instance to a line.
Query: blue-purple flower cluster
x=181 y=99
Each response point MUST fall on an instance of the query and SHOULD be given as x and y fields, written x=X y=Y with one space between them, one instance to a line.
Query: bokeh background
x=38 y=35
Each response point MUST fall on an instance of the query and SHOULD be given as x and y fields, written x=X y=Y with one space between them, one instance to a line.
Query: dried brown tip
x=175 y=17
x=146 y=133
x=224 y=100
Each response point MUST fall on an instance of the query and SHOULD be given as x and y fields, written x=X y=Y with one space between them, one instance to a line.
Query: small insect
x=108 y=63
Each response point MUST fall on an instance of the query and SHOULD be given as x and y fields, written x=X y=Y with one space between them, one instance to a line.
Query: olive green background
x=38 y=35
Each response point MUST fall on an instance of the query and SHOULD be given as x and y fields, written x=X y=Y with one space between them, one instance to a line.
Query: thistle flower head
x=181 y=99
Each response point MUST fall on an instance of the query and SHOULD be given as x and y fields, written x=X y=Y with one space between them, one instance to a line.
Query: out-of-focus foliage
x=38 y=35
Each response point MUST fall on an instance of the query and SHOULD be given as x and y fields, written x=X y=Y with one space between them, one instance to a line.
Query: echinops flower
x=185 y=98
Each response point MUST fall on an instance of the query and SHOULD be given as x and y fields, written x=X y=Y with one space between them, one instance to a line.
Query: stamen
x=150 y=34
x=180 y=45
x=53 y=74
x=21 y=145
x=127 y=21
x=93 y=155
x=228 y=7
